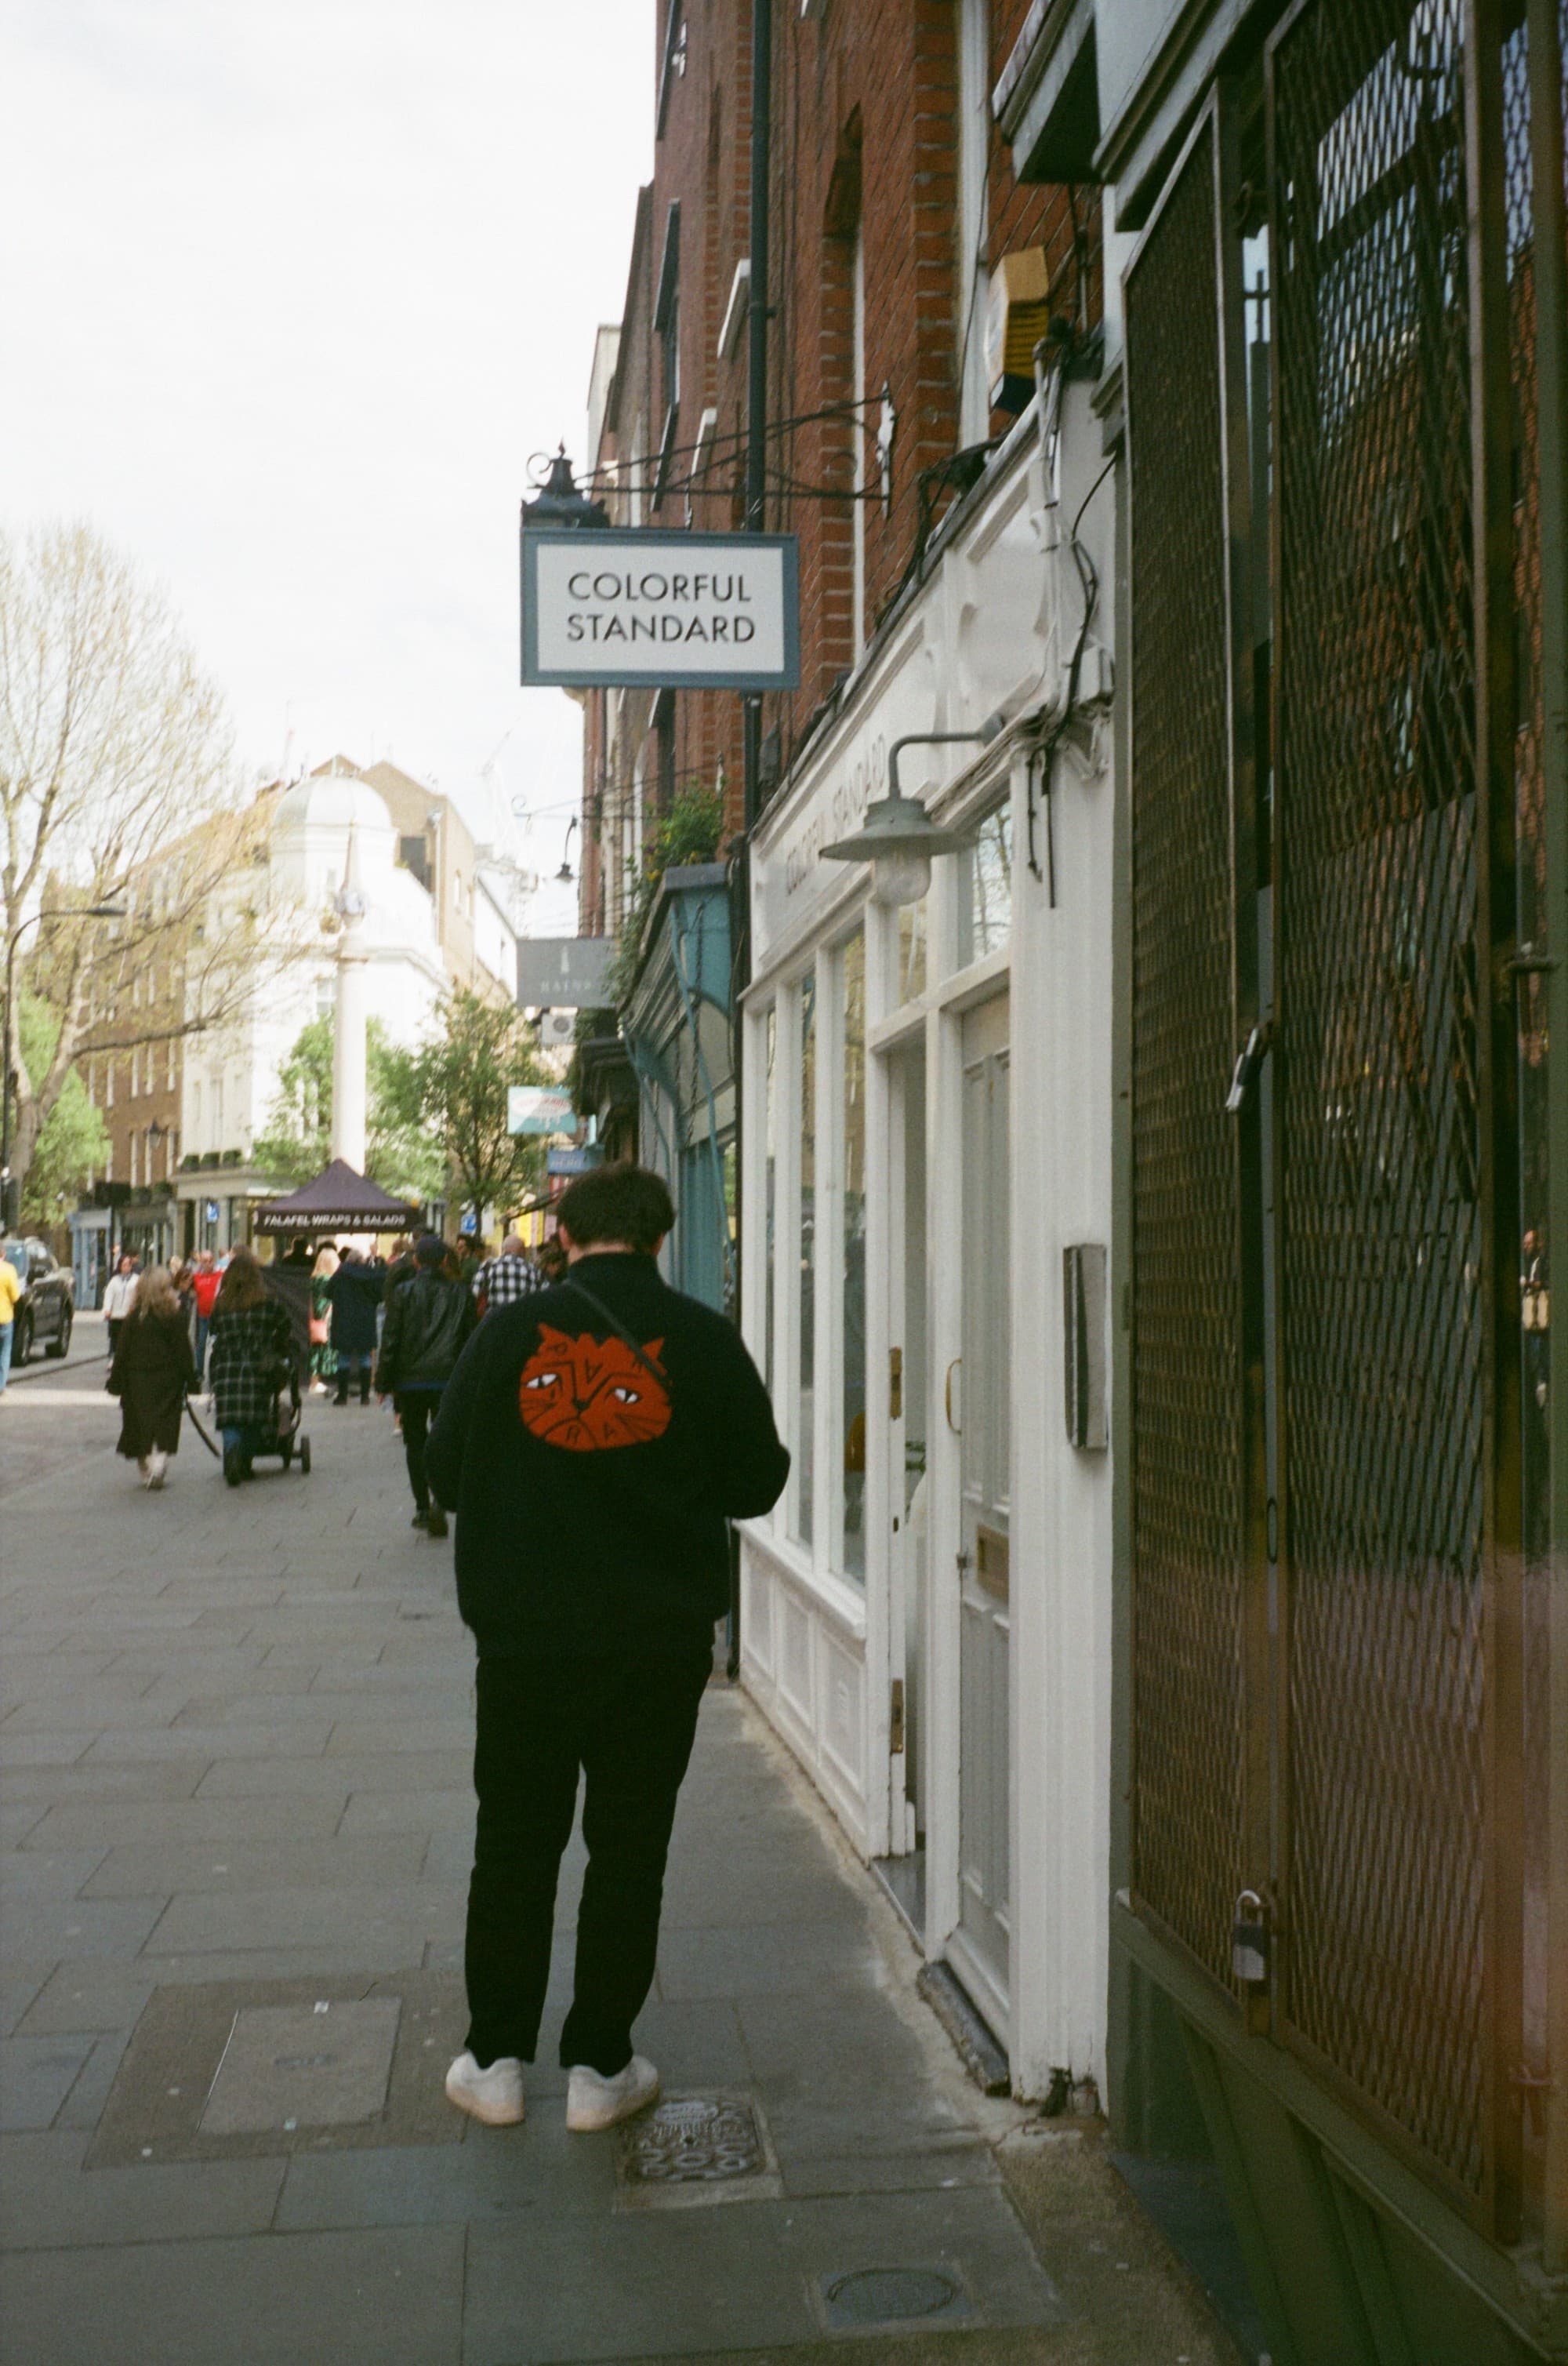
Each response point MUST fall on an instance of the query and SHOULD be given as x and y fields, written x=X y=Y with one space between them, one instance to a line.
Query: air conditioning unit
x=558 y=1027
x=1018 y=315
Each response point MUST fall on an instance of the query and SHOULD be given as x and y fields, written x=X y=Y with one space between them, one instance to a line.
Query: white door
x=908 y=1408
x=979 y=1398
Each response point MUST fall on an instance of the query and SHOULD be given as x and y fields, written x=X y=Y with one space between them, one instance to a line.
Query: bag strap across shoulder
x=619 y=1330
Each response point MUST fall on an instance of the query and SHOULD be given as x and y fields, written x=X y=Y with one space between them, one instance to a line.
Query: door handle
x=956 y=1426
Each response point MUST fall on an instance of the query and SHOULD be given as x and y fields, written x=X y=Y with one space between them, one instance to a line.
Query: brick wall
x=865 y=157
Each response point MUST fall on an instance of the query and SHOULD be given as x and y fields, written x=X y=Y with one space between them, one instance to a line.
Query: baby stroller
x=278 y=1433
x=281 y=1434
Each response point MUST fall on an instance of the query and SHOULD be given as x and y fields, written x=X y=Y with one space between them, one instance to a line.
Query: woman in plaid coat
x=251 y=1357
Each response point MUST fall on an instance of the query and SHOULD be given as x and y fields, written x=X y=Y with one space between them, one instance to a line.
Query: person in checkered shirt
x=503 y=1281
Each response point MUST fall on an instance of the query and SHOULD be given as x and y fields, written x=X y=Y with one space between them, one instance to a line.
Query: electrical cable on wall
x=1088 y=578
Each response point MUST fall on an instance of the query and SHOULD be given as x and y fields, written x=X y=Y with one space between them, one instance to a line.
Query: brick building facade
x=893 y=198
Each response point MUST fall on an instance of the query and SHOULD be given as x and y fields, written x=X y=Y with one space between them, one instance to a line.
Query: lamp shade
x=559 y=502
x=895 y=825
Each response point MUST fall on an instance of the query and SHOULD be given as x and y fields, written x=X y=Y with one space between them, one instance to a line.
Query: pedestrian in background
x=594 y=1441
x=206 y=1283
x=153 y=1370
x=503 y=1281
x=428 y=1323
x=553 y=1261
x=119 y=1292
x=252 y=1356
x=322 y=1358
x=10 y=1291
x=399 y=1266
x=354 y=1292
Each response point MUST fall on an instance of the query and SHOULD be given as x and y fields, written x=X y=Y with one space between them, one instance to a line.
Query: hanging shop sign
x=647 y=608
x=564 y=973
x=539 y=1108
x=574 y=1162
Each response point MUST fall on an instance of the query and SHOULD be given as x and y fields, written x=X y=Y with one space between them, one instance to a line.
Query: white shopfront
x=925 y=1615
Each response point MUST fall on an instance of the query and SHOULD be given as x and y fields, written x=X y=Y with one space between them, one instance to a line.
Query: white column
x=349 y=1094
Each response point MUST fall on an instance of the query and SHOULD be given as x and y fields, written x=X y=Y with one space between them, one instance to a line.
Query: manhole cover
x=892 y=2296
x=700 y=2142
x=319 y=2065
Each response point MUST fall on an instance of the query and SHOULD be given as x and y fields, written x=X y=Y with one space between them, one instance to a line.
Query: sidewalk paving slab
x=246 y=1747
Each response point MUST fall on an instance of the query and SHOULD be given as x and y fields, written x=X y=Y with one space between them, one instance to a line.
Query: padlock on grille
x=1249 y=1938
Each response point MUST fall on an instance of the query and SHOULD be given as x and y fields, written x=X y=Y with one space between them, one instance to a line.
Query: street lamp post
x=83 y=912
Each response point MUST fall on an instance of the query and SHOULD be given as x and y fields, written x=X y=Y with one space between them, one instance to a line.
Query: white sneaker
x=145 y=1467
x=594 y=2101
x=156 y=1466
x=494 y=2095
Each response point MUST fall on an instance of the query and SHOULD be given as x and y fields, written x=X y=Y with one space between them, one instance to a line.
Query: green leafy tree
x=401 y=1154
x=72 y=1139
x=462 y=1077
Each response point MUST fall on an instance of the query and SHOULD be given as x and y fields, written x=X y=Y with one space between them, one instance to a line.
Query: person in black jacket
x=428 y=1322
x=355 y=1292
x=594 y=1441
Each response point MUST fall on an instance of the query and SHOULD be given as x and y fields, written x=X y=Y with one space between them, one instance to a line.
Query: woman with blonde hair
x=323 y=1362
x=152 y=1370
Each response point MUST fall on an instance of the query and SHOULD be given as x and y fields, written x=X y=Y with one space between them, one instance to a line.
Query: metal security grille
x=1522 y=210
x=1187 y=1599
x=1384 y=1269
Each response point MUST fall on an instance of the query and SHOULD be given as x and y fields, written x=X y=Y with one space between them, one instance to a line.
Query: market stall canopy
x=337 y=1200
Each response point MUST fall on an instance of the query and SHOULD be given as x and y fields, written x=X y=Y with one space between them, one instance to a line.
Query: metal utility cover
x=305 y=2065
x=863 y=2297
x=696 y=2148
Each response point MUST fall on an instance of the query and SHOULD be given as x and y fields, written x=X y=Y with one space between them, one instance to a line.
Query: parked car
x=46 y=1307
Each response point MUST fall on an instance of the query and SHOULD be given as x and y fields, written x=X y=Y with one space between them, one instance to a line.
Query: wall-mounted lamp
x=898 y=838
x=565 y=876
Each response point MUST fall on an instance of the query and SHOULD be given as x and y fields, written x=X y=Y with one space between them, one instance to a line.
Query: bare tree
x=118 y=785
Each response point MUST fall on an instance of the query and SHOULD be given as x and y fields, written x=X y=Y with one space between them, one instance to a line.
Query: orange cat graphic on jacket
x=587 y=1394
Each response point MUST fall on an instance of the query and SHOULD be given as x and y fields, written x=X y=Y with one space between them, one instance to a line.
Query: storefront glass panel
x=770 y=1193
x=913 y=927
x=853 y=1345
x=985 y=902
x=805 y=1396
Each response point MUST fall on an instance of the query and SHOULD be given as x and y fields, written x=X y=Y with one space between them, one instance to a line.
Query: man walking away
x=206 y=1283
x=119 y=1291
x=593 y=1441
x=355 y=1292
x=428 y=1323
x=503 y=1281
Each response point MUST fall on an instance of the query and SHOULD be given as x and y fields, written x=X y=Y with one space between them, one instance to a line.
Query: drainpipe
x=756 y=338
x=755 y=521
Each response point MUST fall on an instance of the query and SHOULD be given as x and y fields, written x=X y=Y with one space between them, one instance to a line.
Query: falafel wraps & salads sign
x=644 y=606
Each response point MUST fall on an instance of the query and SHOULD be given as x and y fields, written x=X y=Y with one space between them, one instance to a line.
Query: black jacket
x=151 y=1373
x=592 y=1494
x=428 y=1321
x=355 y=1292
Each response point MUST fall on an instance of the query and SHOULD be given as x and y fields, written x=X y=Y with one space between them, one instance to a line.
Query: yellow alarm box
x=1017 y=317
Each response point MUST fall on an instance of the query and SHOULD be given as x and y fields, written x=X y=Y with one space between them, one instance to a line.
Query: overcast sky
x=289 y=291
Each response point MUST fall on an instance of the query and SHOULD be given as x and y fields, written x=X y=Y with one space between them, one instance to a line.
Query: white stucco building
x=231 y=1078
x=926 y=1614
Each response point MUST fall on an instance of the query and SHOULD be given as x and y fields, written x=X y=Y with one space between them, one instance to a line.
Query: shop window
x=770 y=1195
x=853 y=1342
x=913 y=922
x=805 y=1369
x=985 y=900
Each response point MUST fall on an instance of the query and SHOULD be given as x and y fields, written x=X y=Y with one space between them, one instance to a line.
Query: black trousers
x=628 y=1725
x=416 y=1409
